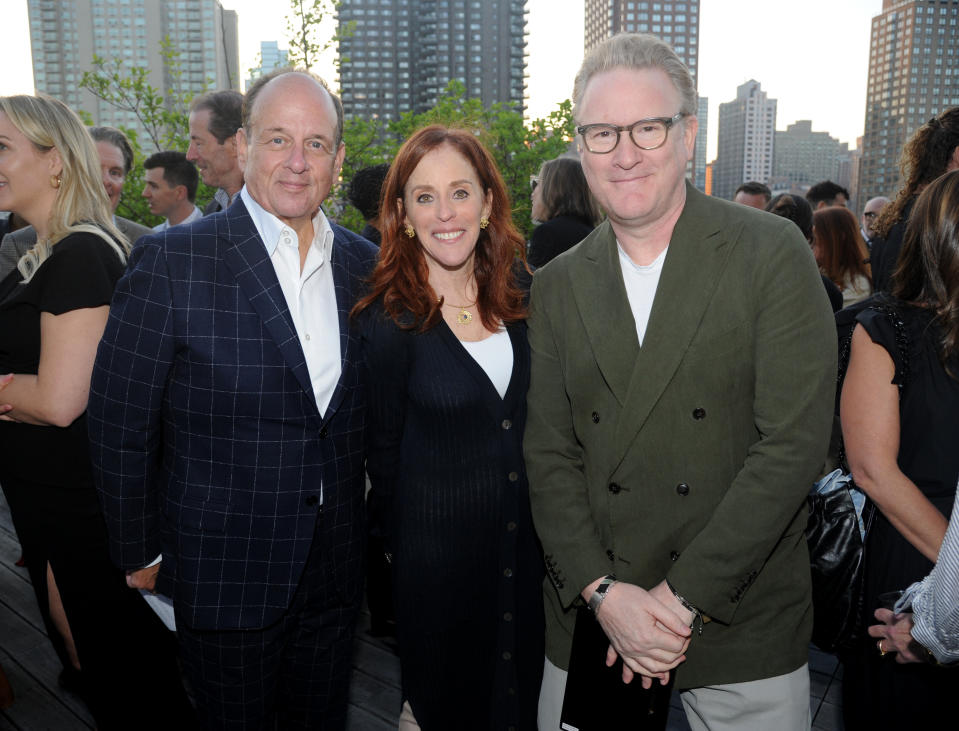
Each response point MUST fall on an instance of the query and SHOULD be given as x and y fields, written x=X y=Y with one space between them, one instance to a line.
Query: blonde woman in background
x=53 y=310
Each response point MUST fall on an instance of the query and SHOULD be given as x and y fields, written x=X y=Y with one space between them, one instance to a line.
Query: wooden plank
x=375 y=698
x=35 y=707
x=359 y=719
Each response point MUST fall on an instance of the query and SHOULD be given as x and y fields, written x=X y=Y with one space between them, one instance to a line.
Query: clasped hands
x=650 y=630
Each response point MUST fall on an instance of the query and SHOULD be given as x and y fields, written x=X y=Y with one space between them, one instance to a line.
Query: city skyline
x=815 y=62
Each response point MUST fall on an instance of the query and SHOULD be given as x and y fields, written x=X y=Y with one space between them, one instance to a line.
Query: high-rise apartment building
x=399 y=55
x=65 y=35
x=674 y=21
x=802 y=158
x=747 y=127
x=271 y=57
x=913 y=75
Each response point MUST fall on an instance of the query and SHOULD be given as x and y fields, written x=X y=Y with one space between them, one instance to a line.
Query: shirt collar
x=272 y=229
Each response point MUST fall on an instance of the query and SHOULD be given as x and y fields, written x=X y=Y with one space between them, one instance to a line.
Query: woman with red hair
x=841 y=252
x=445 y=340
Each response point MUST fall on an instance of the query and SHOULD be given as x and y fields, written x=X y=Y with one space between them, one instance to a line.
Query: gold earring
x=484 y=222
x=409 y=231
x=55 y=181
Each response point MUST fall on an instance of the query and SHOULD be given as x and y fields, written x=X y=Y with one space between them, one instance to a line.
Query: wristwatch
x=600 y=593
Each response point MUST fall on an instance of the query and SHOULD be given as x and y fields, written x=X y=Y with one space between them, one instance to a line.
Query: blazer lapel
x=697 y=256
x=597 y=284
x=247 y=259
x=344 y=277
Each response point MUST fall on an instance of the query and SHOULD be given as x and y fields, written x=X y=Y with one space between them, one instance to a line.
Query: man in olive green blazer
x=683 y=376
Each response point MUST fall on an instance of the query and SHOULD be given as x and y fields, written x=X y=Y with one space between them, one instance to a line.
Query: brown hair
x=924 y=158
x=839 y=248
x=565 y=191
x=401 y=276
x=928 y=271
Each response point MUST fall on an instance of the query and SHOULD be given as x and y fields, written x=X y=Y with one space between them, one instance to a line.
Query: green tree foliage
x=518 y=149
x=304 y=27
x=163 y=119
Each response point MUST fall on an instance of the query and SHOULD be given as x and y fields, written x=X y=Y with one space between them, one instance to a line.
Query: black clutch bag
x=596 y=697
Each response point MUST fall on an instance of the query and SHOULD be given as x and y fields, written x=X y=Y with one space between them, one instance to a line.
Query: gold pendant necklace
x=464 y=316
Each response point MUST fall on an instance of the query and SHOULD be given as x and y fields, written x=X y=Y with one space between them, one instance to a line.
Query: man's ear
x=241 y=143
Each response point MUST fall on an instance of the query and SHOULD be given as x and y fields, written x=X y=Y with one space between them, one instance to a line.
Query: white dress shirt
x=309 y=294
x=195 y=215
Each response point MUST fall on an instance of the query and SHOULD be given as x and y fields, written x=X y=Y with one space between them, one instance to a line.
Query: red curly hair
x=401 y=276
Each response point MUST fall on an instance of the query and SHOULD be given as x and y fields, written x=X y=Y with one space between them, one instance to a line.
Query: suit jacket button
x=699 y=413
x=508 y=573
x=595 y=418
x=610 y=555
x=513 y=476
x=614 y=488
x=682 y=489
x=312 y=500
x=673 y=555
x=324 y=433
x=507 y=424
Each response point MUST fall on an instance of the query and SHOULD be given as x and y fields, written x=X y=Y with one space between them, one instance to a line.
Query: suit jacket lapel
x=596 y=281
x=247 y=259
x=697 y=256
x=344 y=288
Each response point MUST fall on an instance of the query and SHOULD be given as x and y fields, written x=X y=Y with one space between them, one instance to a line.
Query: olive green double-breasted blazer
x=688 y=458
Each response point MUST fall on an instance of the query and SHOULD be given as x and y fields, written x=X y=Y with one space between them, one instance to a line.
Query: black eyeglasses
x=533 y=182
x=646 y=134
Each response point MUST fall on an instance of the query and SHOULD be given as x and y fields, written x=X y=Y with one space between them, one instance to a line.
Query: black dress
x=125 y=653
x=551 y=238
x=879 y=693
x=449 y=490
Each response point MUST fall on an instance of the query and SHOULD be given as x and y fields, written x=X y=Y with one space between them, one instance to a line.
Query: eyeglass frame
x=533 y=182
x=667 y=121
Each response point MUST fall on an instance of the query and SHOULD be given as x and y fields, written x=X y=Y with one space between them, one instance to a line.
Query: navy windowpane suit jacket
x=206 y=440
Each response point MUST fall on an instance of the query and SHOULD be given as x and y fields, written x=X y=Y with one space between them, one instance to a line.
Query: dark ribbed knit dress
x=450 y=494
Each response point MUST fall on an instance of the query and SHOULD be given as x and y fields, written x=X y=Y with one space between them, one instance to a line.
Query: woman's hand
x=895 y=636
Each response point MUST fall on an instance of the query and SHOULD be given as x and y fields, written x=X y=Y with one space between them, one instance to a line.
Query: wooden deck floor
x=41 y=705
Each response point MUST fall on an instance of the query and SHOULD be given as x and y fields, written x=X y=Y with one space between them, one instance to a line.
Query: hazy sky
x=811 y=56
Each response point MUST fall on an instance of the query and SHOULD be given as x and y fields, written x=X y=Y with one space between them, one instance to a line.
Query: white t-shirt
x=641 y=283
x=495 y=356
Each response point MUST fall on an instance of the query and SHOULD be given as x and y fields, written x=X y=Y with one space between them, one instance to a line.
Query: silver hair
x=636 y=51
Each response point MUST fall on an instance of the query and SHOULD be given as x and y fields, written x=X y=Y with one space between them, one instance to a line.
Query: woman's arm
x=58 y=394
x=869 y=409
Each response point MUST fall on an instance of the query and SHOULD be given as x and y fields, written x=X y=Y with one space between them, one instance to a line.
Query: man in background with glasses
x=683 y=375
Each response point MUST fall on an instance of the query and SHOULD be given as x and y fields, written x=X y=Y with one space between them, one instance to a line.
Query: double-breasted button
x=595 y=418
x=508 y=573
x=507 y=655
x=615 y=488
x=682 y=489
x=513 y=476
x=673 y=555
x=511 y=526
x=312 y=500
x=324 y=433
x=508 y=616
x=507 y=424
x=699 y=413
